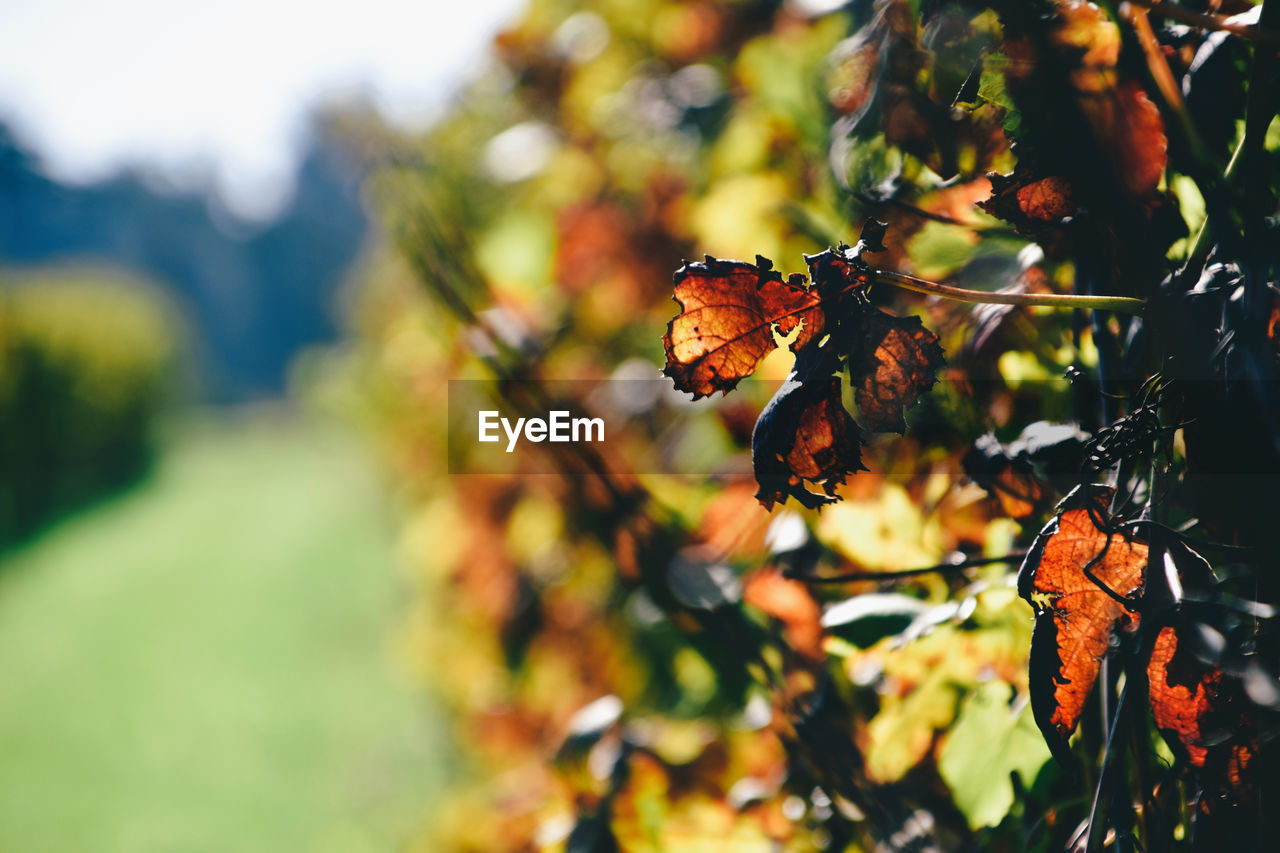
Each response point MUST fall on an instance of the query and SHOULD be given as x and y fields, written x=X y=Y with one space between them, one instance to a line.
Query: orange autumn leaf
x=1076 y=617
x=1129 y=126
x=1181 y=690
x=792 y=604
x=728 y=313
x=894 y=362
x=1201 y=711
x=1207 y=720
x=1046 y=200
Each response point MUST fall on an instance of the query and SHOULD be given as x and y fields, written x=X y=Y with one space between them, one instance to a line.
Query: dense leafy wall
x=655 y=662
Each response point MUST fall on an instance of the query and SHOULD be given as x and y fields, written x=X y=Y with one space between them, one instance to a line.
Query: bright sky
x=221 y=86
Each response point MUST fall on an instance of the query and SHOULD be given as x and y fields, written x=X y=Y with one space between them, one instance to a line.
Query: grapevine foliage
x=824 y=643
x=729 y=313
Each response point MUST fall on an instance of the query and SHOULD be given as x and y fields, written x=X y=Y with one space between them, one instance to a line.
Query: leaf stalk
x=1121 y=304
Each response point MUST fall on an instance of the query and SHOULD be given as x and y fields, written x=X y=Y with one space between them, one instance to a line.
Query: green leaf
x=989 y=741
x=938 y=250
x=991 y=88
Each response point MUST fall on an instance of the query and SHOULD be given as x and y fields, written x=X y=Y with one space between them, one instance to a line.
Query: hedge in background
x=85 y=360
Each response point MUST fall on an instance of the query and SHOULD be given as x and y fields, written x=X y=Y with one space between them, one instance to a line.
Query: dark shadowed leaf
x=592 y=835
x=700 y=583
x=865 y=619
x=1019 y=473
x=1035 y=204
x=1010 y=479
x=804 y=434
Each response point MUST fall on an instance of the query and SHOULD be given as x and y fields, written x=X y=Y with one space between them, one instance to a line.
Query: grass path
x=202 y=664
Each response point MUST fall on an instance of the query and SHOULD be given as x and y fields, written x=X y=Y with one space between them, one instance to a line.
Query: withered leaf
x=728 y=313
x=1183 y=694
x=1076 y=617
x=1207 y=720
x=805 y=434
x=893 y=361
x=1047 y=199
x=1035 y=204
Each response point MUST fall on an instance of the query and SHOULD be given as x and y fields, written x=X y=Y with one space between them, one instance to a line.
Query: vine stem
x=954 y=566
x=1205 y=21
x=1122 y=304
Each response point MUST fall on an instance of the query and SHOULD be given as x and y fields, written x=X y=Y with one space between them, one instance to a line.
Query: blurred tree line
x=89 y=358
x=253 y=293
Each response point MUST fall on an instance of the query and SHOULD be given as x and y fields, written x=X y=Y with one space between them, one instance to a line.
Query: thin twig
x=1122 y=304
x=957 y=565
x=1106 y=778
x=1157 y=64
x=872 y=201
x=1207 y=21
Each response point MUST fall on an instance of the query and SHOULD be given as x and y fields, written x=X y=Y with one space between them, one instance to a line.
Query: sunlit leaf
x=729 y=311
x=990 y=740
x=1076 y=615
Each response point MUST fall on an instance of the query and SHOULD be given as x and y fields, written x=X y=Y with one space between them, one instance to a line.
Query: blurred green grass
x=203 y=663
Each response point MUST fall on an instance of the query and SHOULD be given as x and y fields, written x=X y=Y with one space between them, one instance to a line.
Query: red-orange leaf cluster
x=1084 y=577
x=729 y=313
